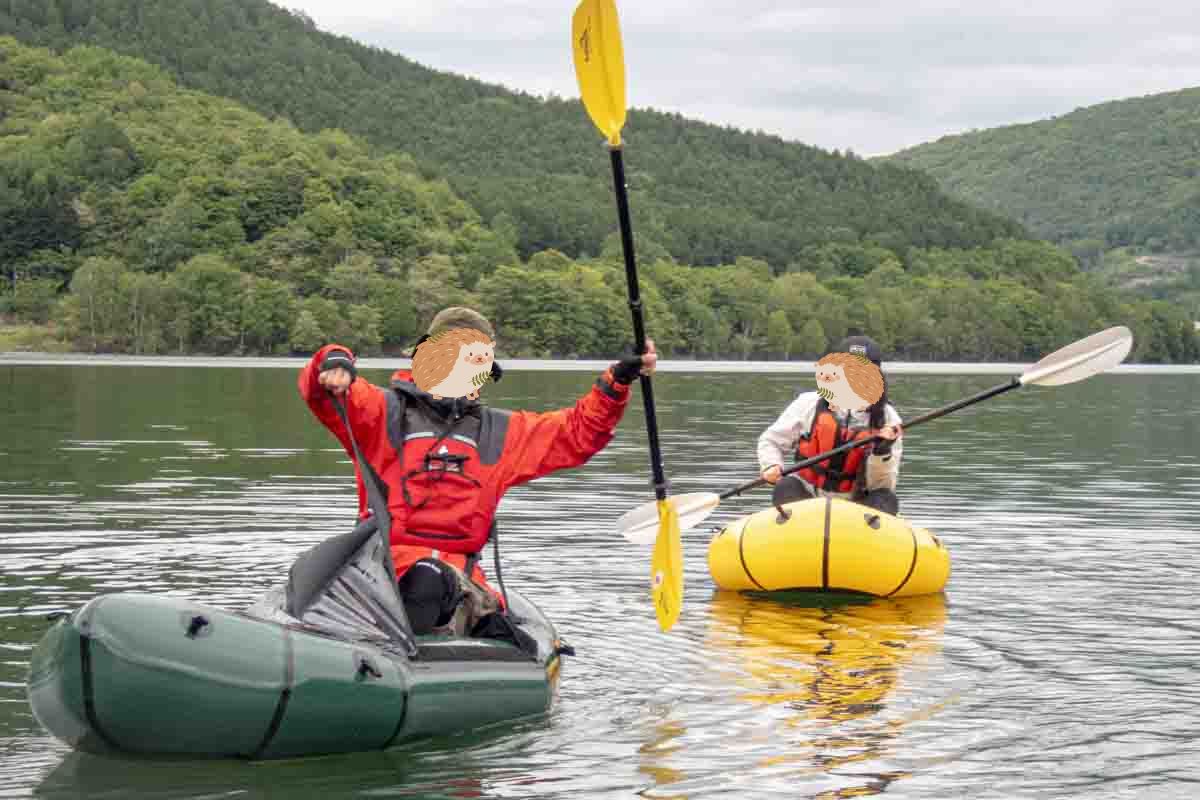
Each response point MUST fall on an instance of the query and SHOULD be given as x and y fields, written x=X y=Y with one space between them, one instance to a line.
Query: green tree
x=100 y=313
x=306 y=335
x=397 y=318
x=33 y=298
x=350 y=280
x=211 y=290
x=364 y=326
x=268 y=309
x=328 y=318
x=433 y=284
x=150 y=307
x=102 y=152
x=779 y=335
x=810 y=342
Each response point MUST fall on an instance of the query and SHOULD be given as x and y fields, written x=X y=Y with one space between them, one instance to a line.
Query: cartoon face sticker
x=456 y=363
x=849 y=381
x=478 y=353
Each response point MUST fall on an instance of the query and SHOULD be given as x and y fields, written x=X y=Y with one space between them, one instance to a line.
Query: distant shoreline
x=550 y=364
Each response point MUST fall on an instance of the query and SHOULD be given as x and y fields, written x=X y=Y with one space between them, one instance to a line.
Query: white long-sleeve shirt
x=777 y=444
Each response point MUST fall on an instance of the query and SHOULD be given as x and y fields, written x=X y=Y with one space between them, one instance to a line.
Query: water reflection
x=1066 y=669
x=665 y=740
x=823 y=668
x=414 y=772
x=827 y=657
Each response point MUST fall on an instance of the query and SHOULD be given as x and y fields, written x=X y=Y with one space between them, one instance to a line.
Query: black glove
x=884 y=447
x=340 y=358
x=627 y=370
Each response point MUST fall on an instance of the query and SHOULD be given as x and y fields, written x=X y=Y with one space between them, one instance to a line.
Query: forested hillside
x=183 y=222
x=707 y=194
x=1118 y=184
x=1125 y=172
x=136 y=216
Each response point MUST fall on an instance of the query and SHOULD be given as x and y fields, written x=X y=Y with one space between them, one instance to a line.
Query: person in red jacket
x=446 y=463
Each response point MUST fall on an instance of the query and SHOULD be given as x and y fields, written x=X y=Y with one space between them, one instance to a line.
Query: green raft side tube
x=459 y=683
x=164 y=676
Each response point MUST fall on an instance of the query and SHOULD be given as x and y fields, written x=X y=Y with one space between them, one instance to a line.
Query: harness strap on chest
x=835 y=472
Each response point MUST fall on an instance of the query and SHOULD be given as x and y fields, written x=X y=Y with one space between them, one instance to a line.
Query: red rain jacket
x=447 y=512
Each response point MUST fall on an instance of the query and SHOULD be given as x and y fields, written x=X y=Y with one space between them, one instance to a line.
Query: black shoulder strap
x=397 y=418
x=376 y=490
x=493 y=429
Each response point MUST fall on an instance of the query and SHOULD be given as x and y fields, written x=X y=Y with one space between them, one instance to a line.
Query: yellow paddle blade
x=600 y=65
x=666 y=567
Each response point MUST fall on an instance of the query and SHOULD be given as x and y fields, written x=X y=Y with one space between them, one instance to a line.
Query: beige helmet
x=460 y=317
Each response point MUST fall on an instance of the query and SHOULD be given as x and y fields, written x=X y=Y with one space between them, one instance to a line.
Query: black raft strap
x=494 y=535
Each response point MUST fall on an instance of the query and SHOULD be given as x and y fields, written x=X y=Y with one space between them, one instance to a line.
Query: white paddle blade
x=640 y=525
x=1097 y=353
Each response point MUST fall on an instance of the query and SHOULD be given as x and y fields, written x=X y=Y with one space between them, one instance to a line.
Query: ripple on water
x=1060 y=662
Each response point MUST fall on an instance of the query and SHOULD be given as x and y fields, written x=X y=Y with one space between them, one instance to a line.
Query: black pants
x=430 y=593
x=789 y=489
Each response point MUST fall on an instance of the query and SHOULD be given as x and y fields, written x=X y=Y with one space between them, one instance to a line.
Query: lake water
x=1062 y=661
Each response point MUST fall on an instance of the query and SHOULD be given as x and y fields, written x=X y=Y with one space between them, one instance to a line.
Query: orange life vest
x=839 y=473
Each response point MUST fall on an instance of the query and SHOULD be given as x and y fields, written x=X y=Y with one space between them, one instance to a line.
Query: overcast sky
x=870 y=77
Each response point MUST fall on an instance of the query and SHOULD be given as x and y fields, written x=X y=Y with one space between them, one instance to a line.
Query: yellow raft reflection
x=828 y=544
x=808 y=693
x=823 y=676
x=832 y=662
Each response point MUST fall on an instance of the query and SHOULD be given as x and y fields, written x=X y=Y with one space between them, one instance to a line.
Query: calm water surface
x=1062 y=660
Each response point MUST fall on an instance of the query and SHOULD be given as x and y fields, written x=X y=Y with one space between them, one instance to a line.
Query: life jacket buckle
x=444 y=462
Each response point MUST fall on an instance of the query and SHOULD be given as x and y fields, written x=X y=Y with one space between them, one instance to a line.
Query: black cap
x=863 y=346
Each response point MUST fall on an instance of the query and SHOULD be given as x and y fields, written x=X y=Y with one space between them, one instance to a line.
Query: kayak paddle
x=1097 y=353
x=600 y=70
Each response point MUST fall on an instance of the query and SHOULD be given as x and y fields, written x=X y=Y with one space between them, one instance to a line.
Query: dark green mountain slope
x=707 y=194
x=184 y=222
x=1126 y=173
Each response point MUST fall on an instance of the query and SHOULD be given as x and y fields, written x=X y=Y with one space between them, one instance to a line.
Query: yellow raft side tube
x=828 y=544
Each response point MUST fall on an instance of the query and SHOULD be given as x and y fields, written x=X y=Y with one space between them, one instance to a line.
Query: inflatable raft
x=325 y=664
x=828 y=544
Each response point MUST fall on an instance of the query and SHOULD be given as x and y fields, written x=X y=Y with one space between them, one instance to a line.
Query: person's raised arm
x=543 y=443
x=332 y=372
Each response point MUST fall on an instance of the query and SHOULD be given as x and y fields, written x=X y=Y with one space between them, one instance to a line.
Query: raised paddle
x=600 y=69
x=1075 y=362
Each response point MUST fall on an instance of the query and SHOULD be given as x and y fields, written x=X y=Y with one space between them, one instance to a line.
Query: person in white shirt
x=810 y=425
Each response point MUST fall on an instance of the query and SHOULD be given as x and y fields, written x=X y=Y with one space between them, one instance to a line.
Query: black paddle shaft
x=639 y=328
x=808 y=462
